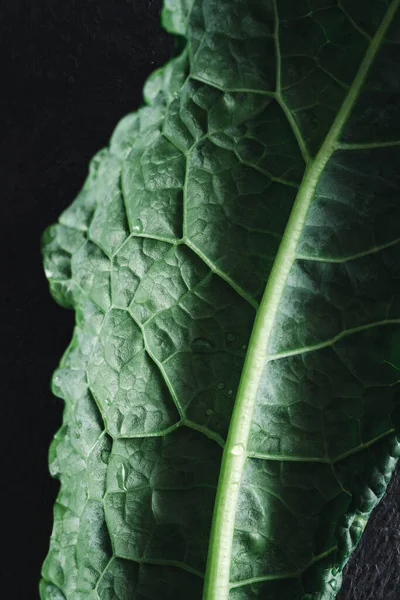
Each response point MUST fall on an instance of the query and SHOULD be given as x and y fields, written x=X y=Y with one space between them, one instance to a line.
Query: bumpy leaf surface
x=233 y=261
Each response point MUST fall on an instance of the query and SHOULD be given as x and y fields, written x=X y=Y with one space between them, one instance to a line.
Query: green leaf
x=231 y=388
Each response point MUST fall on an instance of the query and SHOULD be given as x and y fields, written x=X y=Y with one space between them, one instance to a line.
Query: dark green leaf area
x=153 y=179
x=233 y=49
x=375 y=116
x=366 y=20
x=158 y=490
x=355 y=210
x=249 y=222
x=320 y=53
x=73 y=562
x=317 y=583
x=126 y=383
x=214 y=145
x=341 y=297
x=333 y=400
x=317 y=513
x=122 y=578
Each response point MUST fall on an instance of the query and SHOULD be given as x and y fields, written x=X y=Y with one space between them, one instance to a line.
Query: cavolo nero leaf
x=231 y=391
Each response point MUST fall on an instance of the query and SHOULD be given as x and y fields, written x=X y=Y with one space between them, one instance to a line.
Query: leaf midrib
x=217 y=579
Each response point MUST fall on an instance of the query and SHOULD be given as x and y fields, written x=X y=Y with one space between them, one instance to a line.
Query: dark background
x=70 y=70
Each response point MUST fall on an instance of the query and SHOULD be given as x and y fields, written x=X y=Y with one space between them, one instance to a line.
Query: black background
x=70 y=70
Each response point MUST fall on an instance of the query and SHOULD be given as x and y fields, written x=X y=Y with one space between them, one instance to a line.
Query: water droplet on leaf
x=237 y=449
x=230 y=336
x=221 y=386
x=257 y=543
x=209 y=412
x=121 y=477
x=333 y=584
x=137 y=226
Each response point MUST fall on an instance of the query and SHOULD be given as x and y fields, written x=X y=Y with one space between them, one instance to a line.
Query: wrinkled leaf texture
x=260 y=178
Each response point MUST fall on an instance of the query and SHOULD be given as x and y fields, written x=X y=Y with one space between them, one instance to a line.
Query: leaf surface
x=231 y=390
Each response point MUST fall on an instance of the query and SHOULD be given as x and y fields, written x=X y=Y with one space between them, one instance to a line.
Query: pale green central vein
x=217 y=583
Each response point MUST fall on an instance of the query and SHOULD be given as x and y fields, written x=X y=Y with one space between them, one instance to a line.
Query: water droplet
x=237 y=449
x=202 y=343
x=257 y=543
x=105 y=456
x=137 y=226
x=244 y=346
x=77 y=435
x=230 y=336
x=209 y=412
x=230 y=392
x=221 y=386
x=121 y=477
x=54 y=469
x=333 y=584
